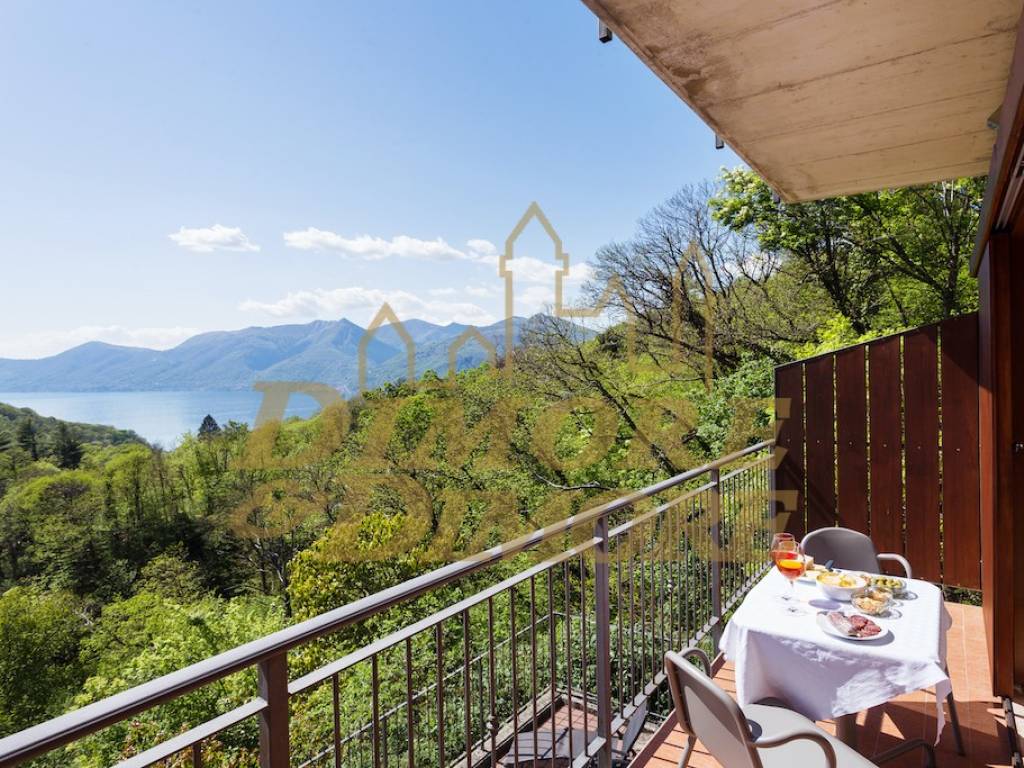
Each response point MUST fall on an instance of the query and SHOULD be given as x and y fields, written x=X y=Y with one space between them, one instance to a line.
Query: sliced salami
x=855 y=625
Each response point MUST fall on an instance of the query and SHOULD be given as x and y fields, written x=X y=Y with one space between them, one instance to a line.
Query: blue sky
x=168 y=168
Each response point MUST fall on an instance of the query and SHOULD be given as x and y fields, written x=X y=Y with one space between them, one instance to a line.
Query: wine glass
x=789 y=559
x=778 y=537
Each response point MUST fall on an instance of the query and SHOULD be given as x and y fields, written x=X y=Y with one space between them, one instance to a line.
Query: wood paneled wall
x=883 y=438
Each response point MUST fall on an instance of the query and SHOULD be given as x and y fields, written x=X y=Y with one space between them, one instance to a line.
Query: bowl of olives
x=891 y=583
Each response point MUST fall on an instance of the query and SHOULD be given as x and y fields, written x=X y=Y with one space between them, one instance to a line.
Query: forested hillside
x=122 y=562
x=26 y=437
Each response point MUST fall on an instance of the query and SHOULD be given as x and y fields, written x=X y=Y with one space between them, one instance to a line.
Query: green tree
x=816 y=234
x=130 y=477
x=209 y=427
x=67 y=448
x=39 y=668
x=689 y=282
x=885 y=259
x=56 y=524
x=28 y=437
x=924 y=237
x=171 y=576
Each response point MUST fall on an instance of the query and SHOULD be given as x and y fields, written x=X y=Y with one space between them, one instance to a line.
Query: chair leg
x=687 y=751
x=956 y=724
x=907 y=746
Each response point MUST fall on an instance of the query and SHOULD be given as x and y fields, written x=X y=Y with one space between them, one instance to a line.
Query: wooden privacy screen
x=883 y=438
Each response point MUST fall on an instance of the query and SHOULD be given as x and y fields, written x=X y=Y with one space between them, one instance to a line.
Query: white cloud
x=530 y=270
x=481 y=248
x=476 y=291
x=45 y=343
x=215 y=238
x=360 y=304
x=526 y=269
x=375 y=248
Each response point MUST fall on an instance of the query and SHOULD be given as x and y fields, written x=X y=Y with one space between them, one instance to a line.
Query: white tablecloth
x=821 y=676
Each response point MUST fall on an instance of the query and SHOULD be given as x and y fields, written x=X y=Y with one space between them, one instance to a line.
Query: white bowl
x=836 y=592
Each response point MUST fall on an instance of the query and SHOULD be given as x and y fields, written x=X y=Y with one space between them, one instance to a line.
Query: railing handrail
x=69 y=727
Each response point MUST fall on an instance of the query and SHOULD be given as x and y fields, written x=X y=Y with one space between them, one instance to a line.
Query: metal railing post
x=773 y=496
x=603 y=621
x=273 y=687
x=716 y=556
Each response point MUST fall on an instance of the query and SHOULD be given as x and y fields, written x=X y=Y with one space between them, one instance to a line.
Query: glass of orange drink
x=790 y=562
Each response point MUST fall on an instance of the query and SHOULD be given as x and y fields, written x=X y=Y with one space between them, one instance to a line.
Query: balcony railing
x=580 y=630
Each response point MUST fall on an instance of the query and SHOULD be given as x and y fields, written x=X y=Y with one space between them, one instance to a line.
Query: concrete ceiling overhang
x=829 y=98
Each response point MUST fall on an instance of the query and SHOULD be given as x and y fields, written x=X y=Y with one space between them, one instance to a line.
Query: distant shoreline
x=160 y=417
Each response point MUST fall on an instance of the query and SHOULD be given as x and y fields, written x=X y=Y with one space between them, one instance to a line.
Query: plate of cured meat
x=850 y=626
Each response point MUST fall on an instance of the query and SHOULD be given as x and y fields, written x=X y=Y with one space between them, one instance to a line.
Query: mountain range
x=322 y=351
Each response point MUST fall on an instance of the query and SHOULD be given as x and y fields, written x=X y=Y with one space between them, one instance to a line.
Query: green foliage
x=171 y=577
x=67 y=449
x=46 y=427
x=146 y=636
x=208 y=428
x=28 y=437
x=736 y=412
x=897 y=257
x=39 y=640
x=56 y=529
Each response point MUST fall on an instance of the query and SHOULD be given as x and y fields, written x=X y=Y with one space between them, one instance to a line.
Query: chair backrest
x=850 y=550
x=706 y=711
x=636 y=725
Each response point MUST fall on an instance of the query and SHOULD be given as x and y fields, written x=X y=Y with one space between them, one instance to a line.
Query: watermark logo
x=389 y=470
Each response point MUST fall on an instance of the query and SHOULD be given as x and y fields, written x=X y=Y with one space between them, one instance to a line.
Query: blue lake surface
x=159 y=417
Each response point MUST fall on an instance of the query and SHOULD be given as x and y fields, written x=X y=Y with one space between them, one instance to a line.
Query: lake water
x=159 y=417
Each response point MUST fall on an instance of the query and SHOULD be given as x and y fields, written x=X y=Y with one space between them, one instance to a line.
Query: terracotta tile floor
x=911 y=716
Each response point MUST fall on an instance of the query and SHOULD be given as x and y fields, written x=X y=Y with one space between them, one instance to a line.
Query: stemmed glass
x=789 y=559
x=783 y=536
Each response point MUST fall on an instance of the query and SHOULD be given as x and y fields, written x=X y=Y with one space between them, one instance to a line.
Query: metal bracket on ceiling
x=604 y=34
x=719 y=142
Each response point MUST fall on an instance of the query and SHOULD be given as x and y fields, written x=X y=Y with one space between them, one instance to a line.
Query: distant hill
x=321 y=351
x=47 y=427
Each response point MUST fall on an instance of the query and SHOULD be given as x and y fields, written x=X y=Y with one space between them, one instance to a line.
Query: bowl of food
x=812 y=571
x=872 y=600
x=894 y=585
x=840 y=586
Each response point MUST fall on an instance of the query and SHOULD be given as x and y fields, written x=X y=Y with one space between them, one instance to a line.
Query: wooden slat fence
x=883 y=438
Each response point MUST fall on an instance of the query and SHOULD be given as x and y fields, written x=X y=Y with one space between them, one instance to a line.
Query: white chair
x=850 y=550
x=759 y=735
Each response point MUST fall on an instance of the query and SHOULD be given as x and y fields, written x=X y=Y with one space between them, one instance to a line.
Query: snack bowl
x=812 y=572
x=874 y=601
x=891 y=583
x=840 y=586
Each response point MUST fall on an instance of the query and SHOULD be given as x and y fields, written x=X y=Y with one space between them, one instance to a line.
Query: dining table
x=792 y=658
